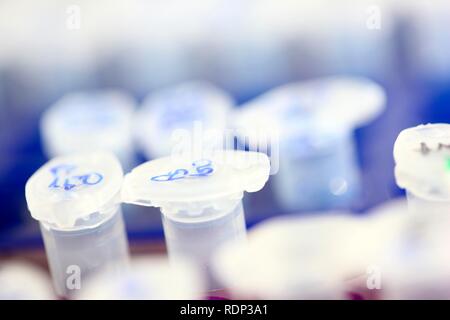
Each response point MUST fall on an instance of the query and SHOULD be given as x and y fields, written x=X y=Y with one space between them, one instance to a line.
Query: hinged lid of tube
x=318 y=106
x=422 y=157
x=70 y=188
x=187 y=183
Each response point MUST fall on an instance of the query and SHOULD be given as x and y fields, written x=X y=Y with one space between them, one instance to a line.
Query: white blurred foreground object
x=23 y=281
x=385 y=227
x=308 y=127
x=76 y=199
x=420 y=266
x=90 y=121
x=200 y=199
x=184 y=118
x=148 y=279
x=296 y=257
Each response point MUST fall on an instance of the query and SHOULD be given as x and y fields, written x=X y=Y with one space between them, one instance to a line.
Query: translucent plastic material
x=293 y=258
x=85 y=252
x=317 y=174
x=76 y=199
x=419 y=266
x=385 y=228
x=148 y=279
x=90 y=121
x=422 y=156
x=198 y=240
x=311 y=124
x=188 y=116
x=200 y=200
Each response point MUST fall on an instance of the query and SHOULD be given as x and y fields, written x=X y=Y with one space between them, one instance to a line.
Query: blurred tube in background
x=148 y=279
x=309 y=127
x=200 y=200
x=75 y=199
x=90 y=121
x=24 y=281
x=187 y=118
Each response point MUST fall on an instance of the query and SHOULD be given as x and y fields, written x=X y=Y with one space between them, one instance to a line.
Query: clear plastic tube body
x=420 y=268
x=317 y=177
x=198 y=238
x=430 y=217
x=75 y=255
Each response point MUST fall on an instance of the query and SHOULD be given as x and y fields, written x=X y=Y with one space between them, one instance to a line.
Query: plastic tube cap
x=88 y=121
x=182 y=107
x=189 y=184
x=422 y=157
x=305 y=108
x=70 y=188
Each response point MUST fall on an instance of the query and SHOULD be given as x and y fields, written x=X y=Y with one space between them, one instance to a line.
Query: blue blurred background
x=53 y=47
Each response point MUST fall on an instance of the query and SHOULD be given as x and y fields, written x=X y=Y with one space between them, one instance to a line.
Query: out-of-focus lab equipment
x=186 y=118
x=308 y=128
x=90 y=121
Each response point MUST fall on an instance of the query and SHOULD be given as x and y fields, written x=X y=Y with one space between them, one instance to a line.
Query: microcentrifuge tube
x=200 y=200
x=422 y=157
x=76 y=200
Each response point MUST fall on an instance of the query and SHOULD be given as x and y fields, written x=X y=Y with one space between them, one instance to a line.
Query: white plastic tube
x=76 y=200
x=419 y=268
x=197 y=238
x=200 y=200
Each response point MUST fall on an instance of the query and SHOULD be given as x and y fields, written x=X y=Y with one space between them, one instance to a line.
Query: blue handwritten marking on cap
x=63 y=180
x=201 y=170
x=67 y=168
x=172 y=175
